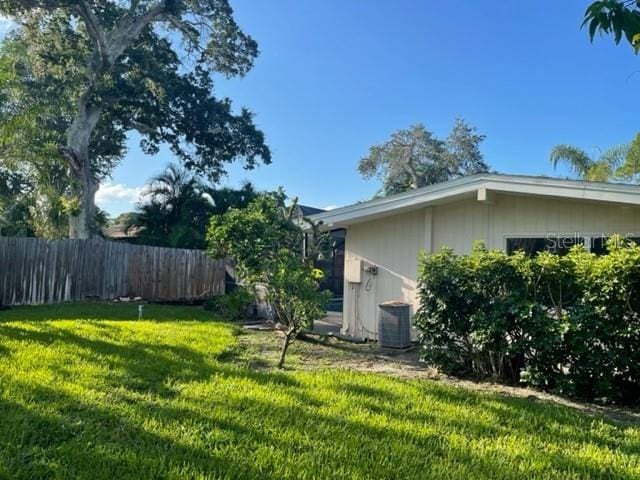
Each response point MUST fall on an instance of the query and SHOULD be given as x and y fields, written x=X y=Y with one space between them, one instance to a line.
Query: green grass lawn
x=87 y=391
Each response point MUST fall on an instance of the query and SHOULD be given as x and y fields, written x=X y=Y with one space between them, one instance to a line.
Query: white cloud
x=330 y=207
x=109 y=192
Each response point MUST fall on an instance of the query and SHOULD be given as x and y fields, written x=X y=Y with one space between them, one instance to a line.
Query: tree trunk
x=108 y=47
x=82 y=223
x=285 y=345
x=76 y=152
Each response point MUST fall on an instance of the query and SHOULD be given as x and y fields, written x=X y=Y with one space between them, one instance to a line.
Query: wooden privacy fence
x=35 y=271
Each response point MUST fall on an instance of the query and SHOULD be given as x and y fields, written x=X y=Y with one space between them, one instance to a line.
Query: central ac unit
x=394 y=325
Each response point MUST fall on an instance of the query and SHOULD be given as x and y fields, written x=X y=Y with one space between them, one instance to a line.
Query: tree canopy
x=629 y=171
x=620 y=163
x=14 y=204
x=83 y=74
x=620 y=18
x=415 y=157
x=176 y=208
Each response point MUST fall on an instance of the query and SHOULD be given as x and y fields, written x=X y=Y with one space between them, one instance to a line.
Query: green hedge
x=234 y=306
x=569 y=324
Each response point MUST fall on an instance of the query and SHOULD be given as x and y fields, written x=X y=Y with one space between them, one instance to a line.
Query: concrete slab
x=329 y=325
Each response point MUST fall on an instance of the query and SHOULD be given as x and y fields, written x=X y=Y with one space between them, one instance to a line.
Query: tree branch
x=94 y=28
x=186 y=28
x=70 y=156
x=134 y=6
x=129 y=28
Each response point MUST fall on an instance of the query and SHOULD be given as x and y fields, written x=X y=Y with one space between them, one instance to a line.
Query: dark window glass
x=533 y=245
x=562 y=245
x=599 y=244
x=530 y=246
x=333 y=266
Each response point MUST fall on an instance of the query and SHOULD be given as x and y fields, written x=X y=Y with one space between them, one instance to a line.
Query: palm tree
x=174 y=211
x=177 y=206
x=605 y=168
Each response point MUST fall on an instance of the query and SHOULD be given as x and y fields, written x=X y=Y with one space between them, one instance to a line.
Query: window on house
x=599 y=244
x=529 y=246
x=532 y=245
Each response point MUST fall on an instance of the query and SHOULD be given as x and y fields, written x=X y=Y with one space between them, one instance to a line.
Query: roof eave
x=453 y=190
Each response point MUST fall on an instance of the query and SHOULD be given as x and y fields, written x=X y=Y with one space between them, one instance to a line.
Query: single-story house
x=384 y=236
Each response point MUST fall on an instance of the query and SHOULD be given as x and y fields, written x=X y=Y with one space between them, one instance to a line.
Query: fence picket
x=37 y=271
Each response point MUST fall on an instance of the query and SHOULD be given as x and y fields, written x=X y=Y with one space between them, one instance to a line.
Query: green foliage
x=125 y=218
x=293 y=290
x=89 y=392
x=14 y=204
x=233 y=306
x=28 y=209
x=76 y=77
x=474 y=310
x=176 y=208
x=254 y=235
x=613 y=164
x=415 y=157
x=30 y=131
x=266 y=246
x=603 y=342
x=567 y=323
x=150 y=87
x=629 y=171
x=617 y=17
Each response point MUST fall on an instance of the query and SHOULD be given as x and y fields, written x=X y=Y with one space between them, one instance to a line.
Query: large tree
x=100 y=69
x=415 y=157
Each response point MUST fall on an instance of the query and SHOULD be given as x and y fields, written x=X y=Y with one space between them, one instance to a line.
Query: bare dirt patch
x=260 y=349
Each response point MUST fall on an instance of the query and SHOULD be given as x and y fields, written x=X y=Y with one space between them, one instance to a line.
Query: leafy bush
x=569 y=324
x=603 y=340
x=234 y=305
x=266 y=244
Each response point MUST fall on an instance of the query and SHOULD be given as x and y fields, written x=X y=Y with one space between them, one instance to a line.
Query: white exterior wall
x=393 y=243
x=459 y=224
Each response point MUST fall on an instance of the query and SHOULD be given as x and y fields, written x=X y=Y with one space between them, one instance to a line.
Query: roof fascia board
x=540 y=186
x=595 y=192
x=371 y=209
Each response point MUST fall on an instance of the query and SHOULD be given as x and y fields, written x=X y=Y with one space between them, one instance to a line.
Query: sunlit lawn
x=87 y=391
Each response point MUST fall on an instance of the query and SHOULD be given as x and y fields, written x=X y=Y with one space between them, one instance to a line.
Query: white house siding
x=393 y=243
x=459 y=224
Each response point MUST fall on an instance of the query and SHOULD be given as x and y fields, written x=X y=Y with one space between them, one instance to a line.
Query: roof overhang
x=482 y=187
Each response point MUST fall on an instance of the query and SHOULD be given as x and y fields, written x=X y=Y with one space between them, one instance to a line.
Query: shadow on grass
x=265 y=424
x=100 y=310
x=366 y=391
x=504 y=416
x=86 y=441
x=145 y=366
x=120 y=447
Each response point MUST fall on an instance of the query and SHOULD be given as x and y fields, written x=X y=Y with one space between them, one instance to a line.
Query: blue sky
x=335 y=77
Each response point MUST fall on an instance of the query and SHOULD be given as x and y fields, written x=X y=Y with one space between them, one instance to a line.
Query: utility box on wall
x=353 y=270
